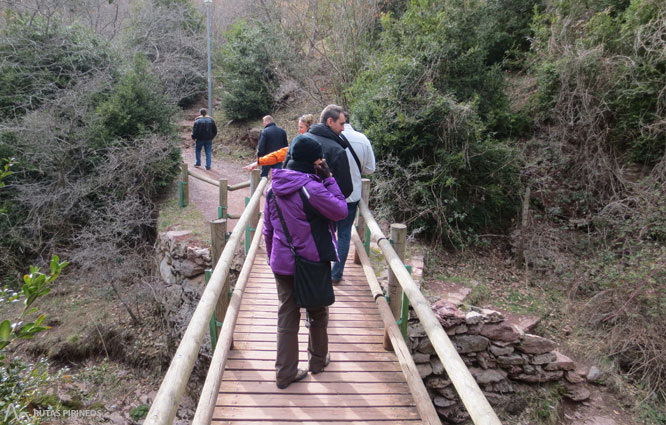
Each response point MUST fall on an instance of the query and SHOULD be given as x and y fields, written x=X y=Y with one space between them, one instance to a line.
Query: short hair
x=268 y=119
x=307 y=119
x=203 y=111
x=331 y=111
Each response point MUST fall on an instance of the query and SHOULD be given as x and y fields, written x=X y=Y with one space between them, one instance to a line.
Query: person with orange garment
x=279 y=155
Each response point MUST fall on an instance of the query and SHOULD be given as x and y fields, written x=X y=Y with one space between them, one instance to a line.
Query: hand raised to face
x=321 y=169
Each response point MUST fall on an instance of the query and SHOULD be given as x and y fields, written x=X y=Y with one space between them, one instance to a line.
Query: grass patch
x=173 y=217
x=522 y=302
x=139 y=412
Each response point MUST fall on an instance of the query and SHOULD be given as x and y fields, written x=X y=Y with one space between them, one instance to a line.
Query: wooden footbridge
x=371 y=379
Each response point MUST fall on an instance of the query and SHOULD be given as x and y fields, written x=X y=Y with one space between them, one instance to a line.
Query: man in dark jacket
x=203 y=132
x=272 y=138
x=327 y=133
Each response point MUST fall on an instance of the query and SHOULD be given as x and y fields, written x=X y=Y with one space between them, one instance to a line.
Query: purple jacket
x=314 y=239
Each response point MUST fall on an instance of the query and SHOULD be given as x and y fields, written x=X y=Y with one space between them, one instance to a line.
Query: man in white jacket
x=361 y=161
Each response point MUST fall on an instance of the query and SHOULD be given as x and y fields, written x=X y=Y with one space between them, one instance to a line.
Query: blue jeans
x=344 y=236
x=208 y=147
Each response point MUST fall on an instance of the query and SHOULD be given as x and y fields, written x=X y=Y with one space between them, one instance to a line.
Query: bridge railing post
x=218 y=230
x=255 y=178
x=184 y=185
x=222 y=210
x=360 y=221
x=398 y=240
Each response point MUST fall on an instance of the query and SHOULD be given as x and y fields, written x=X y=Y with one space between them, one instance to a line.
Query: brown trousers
x=289 y=316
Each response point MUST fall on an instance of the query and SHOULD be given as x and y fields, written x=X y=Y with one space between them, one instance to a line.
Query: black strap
x=358 y=162
x=284 y=225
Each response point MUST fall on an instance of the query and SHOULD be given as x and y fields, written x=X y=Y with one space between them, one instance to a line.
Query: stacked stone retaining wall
x=500 y=355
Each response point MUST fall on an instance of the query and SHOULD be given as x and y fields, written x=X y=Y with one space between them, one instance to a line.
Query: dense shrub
x=170 y=33
x=247 y=70
x=136 y=106
x=599 y=108
x=39 y=58
x=87 y=163
x=601 y=81
x=426 y=101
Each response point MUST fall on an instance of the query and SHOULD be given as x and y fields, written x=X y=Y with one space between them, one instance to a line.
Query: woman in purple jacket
x=311 y=202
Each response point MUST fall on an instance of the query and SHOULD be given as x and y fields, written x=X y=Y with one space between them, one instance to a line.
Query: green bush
x=41 y=58
x=170 y=33
x=247 y=70
x=602 y=80
x=135 y=107
x=88 y=162
x=426 y=103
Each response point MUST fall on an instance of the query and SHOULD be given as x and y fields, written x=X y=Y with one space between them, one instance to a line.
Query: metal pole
x=210 y=75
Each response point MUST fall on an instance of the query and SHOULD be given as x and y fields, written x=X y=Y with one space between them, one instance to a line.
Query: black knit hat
x=304 y=152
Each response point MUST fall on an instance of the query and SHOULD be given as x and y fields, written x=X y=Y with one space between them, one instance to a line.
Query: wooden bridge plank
x=333 y=348
x=332 y=309
x=289 y=400
x=332 y=324
x=335 y=366
x=303 y=337
x=272 y=328
x=360 y=296
x=320 y=413
x=312 y=388
x=358 y=357
x=273 y=422
x=350 y=377
x=332 y=316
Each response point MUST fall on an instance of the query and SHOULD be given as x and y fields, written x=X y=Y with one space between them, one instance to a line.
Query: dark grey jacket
x=272 y=138
x=333 y=147
x=204 y=129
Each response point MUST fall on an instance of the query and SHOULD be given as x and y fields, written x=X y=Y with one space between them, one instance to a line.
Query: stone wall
x=181 y=266
x=501 y=356
x=177 y=259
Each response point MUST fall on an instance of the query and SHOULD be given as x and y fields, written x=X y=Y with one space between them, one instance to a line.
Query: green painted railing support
x=404 y=311
x=247 y=230
x=181 y=193
x=213 y=321
x=366 y=242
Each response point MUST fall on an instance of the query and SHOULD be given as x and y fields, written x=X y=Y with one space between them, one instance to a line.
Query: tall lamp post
x=210 y=76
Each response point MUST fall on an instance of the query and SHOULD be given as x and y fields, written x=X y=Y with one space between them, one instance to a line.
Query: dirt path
x=205 y=195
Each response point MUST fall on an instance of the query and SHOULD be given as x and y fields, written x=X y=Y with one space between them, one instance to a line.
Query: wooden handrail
x=468 y=390
x=419 y=392
x=173 y=385
x=209 y=393
x=231 y=188
x=239 y=186
x=203 y=178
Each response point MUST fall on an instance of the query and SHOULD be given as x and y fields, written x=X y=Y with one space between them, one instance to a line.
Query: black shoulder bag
x=312 y=280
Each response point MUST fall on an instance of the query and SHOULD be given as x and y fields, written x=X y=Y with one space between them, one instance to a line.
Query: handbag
x=313 y=286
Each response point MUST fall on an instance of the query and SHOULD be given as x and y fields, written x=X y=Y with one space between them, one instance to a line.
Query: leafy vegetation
x=430 y=84
x=169 y=33
x=247 y=70
x=21 y=383
x=87 y=159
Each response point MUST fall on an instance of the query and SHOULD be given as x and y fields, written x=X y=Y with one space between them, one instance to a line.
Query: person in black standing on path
x=272 y=138
x=203 y=132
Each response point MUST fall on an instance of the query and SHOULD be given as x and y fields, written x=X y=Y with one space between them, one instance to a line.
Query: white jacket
x=363 y=149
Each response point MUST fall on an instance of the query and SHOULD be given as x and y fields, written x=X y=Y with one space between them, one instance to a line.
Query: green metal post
x=213 y=320
x=366 y=242
x=181 y=193
x=404 y=311
x=247 y=230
